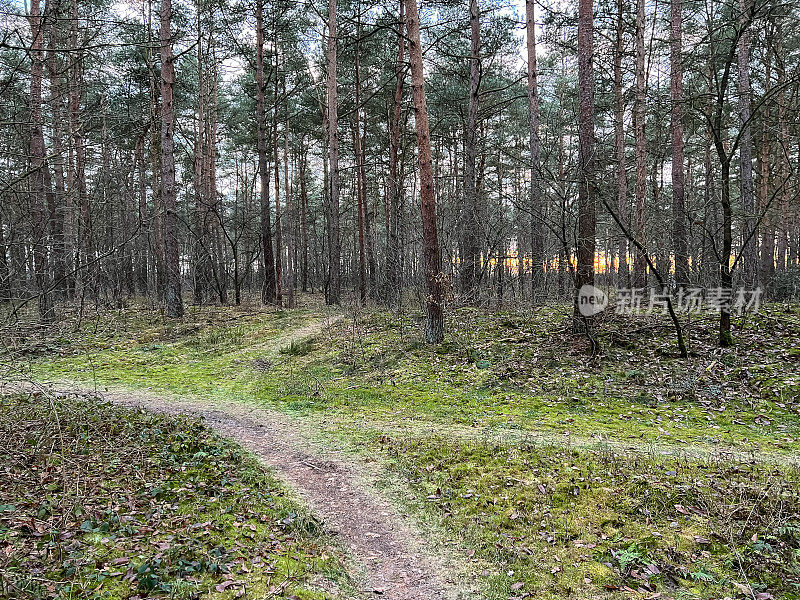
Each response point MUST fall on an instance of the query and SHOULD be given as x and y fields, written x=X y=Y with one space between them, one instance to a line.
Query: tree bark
x=85 y=234
x=216 y=252
x=584 y=273
x=38 y=166
x=784 y=169
x=536 y=207
x=719 y=133
x=679 y=244
x=360 y=183
x=200 y=241
x=393 y=263
x=369 y=217
x=623 y=273
x=750 y=251
x=470 y=261
x=174 y=299
x=434 y=323
x=362 y=259
x=333 y=288
x=639 y=119
x=303 y=221
x=290 y=267
x=767 y=270
x=157 y=238
x=141 y=261
x=269 y=287
x=366 y=205
x=5 y=270
x=278 y=214
x=58 y=211
x=726 y=276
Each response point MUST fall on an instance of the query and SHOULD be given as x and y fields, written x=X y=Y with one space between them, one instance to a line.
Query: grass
x=102 y=502
x=552 y=522
x=642 y=456
x=503 y=371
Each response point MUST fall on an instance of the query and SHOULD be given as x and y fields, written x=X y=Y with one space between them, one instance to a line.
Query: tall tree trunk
x=38 y=188
x=200 y=240
x=303 y=221
x=157 y=237
x=784 y=151
x=639 y=119
x=333 y=289
x=719 y=133
x=750 y=250
x=726 y=276
x=362 y=259
x=143 y=220
x=5 y=270
x=470 y=261
x=110 y=229
x=174 y=300
x=278 y=214
x=360 y=183
x=369 y=217
x=269 y=288
x=58 y=212
x=434 y=323
x=707 y=258
x=584 y=273
x=107 y=224
x=501 y=210
x=366 y=206
x=679 y=243
x=393 y=264
x=290 y=283
x=794 y=222
x=767 y=270
x=536 y=207
x=85 y=234
x=130 y=222
x=216 y=253
x=619 y=145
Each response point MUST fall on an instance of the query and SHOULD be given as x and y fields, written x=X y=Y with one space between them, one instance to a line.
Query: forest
x=450 y=299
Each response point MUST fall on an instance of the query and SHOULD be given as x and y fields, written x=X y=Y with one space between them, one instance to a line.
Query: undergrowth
x=605 y=506
x=501 y=371
x=102 y=502
x=545 y=522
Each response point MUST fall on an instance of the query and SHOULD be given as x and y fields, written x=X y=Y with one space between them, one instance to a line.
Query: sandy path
x=396 y=561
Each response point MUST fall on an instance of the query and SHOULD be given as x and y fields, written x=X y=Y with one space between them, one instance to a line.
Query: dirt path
x=396 y=561
x=394 y=557
x=655 y=449
x=309 y=330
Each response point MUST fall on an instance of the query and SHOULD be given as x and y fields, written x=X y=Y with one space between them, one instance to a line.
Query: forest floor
x=533 y=469
x=99 y=501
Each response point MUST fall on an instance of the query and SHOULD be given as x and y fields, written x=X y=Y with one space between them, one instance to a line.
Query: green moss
x=534 y=395
x=585 y=520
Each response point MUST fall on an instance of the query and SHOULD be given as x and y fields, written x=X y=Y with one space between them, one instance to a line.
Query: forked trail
x=396 y=562
x=395 y=558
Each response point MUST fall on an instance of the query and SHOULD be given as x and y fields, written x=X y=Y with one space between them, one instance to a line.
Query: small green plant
x=298 y=347
x=628 y=557
x=702 y=576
